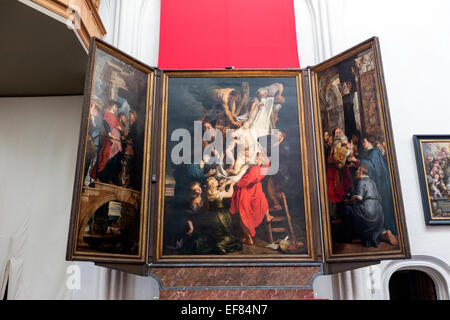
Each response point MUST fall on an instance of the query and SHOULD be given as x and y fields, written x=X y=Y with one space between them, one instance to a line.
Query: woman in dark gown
x=195 y=221
x=209 y=224
x=221 y=232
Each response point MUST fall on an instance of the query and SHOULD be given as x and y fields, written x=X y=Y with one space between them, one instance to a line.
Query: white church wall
x=39 y=138
x=414 y=45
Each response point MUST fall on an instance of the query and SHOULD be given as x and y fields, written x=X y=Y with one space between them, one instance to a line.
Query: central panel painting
x=234 y=170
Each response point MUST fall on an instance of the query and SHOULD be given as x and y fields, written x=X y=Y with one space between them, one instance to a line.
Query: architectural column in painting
x=111 y=75
x=368 y=101
x=347 y=88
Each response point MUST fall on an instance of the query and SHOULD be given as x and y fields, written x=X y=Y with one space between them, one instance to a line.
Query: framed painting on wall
x=433 y=165
x=110 y=204
x=233 y=173
x=362 y=209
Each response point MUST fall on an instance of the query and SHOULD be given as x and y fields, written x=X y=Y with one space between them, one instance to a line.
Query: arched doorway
x=411 y=285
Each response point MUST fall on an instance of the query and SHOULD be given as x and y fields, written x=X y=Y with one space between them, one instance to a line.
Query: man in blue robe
x=378 y=171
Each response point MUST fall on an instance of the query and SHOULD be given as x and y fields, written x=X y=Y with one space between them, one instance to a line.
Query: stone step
x=91 y=192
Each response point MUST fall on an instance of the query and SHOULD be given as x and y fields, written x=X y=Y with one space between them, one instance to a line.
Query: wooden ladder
x=277 y=219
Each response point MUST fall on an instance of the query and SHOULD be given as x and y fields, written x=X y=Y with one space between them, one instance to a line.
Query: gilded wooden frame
x=73 y=252
x=330 y=255
x=431 y=217
x=159 y=168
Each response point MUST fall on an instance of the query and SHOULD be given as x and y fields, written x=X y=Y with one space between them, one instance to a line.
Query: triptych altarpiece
x=223 y=167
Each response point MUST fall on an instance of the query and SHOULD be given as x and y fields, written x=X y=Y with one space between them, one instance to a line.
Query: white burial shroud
x=259 y=125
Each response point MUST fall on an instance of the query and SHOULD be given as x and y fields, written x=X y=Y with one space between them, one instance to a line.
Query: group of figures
x=111 y=148
x=358 y=176
x=359 y=188
x=111 y=159
x=219 y=202
x=215 y=166
x=113 y=162
x=438 y=178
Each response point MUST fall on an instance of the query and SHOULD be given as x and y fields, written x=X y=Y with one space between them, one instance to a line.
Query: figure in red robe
x=250 y=201
x=339 y=180
x=107 y=166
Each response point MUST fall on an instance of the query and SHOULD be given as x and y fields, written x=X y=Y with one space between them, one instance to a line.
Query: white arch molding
x=438 y=271
x=314 y=37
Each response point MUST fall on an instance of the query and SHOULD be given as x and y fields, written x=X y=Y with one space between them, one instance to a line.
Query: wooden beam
x=90 y=23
